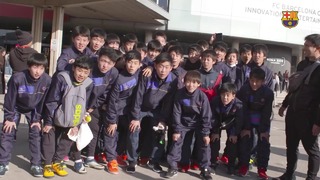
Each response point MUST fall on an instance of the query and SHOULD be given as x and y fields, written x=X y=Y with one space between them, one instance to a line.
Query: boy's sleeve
x=206 y=116
x=138 y=98
x=63 y=60
x=215 y=117
x=241 y=95
x=176 y=115
x=38 y=111
x=10 y=100
x=268 y=80
x=53 y=99
x=167 y=103
x=104 y=97
x=239 y=120
x=112 y=105
x=266 y=112
x=285 y=102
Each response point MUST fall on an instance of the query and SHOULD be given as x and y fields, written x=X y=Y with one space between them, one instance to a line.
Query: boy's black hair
x=228 y=88
x=154 y=45
x=81 y=31
x=37 y=59
x=130 y=38
x=159 y=33
x=141 y=46
x=203 y=43
x=98 y=32
x=176 y=49
x=193 y=76
x=112 y=38
x=208 y=53
x=314 y=39
x=195 y=47
x=109 y=52
x=220 y=45
x=245 y=48
x=163 y=57
x=261 y=48
x=83 y=62
x=171 y=44
x=133 y=54
x=257 y=73
x=232 y=50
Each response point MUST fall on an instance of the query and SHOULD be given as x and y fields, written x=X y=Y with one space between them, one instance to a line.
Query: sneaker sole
x=171 y=176
x=130 y=172
x=48 y=177
x=114 y=173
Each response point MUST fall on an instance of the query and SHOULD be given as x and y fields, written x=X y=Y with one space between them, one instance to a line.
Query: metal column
x=56 y=38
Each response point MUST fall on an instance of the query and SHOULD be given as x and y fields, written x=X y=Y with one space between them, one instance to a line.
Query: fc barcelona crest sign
x=290 y=19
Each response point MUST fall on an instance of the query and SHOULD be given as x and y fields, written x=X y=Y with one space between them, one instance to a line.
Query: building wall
x=255 y=19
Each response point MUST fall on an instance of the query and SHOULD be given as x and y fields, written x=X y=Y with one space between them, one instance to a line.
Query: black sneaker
x=171 y=173
x=213 y=168
x=285 y=176
x=231 y=171
x=36 y=171
x=131 y=168
x=205 y=174
x=155 y=167
x=3 y=169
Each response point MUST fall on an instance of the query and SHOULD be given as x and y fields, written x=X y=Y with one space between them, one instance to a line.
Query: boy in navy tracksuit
x=176 y=52
x=243 y=68
x=220 y=48
x=98 y=37
x=257 y=107
x=231 y=62
x=227 y=114
x=191 y=112
x=193 y=60
x=154 y=99
x=80 y=40
x=260 y=53
x=118 y=107
x=54 y=153
x=26 y=94
x=104 y=74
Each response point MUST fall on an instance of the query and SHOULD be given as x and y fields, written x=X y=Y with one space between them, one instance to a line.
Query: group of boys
x=153 y=87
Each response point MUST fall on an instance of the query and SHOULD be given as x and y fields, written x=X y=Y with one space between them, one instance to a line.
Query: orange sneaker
x=113 y=167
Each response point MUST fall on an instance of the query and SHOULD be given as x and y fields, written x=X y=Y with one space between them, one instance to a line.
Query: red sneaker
x=195 y=166
x=224 y=159
x=124 y=157
x=243 y=171
x=143 y=161
x=121 y=161
x=100 y=158
x=262 y=173
x=185 y=168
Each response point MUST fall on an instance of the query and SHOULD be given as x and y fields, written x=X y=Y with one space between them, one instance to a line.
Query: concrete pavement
x=19 y=165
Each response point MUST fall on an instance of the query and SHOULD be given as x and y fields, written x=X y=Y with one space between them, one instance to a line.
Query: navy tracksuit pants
x=203 y=150
x=263 y=150
x=133 y=140
x=231 y=150
x=117 y=143
x=6 y=145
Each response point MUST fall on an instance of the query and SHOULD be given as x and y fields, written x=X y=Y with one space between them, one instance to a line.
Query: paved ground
x=19 y=166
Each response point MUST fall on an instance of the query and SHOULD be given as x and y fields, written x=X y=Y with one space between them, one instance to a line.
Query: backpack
x=300 y=77
x=73 y=107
